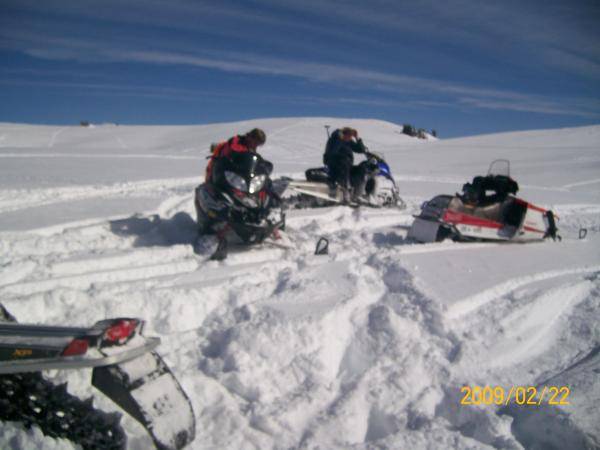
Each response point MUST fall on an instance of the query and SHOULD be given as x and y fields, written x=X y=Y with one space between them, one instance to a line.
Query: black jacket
x=337 y=147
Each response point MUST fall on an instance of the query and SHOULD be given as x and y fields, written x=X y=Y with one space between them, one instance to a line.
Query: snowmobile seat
x=317 y=174
x=489 y=212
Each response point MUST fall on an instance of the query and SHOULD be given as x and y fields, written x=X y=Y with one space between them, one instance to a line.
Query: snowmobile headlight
x=236 y=181
x=250 y=202
x=257 y=183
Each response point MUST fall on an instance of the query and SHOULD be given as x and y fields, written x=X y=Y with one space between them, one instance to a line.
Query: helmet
x=257 y=135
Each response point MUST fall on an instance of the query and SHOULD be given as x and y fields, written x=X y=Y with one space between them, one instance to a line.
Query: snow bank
x=367 y=347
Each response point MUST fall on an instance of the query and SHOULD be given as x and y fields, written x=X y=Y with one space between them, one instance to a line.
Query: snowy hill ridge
x=168 y=136
x=367 y=347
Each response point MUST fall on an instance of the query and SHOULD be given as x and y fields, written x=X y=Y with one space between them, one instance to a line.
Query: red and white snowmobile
x=487 y=210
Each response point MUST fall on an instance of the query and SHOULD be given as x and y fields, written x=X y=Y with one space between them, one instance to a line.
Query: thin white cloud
x=121 y=89
x=421 y=18
x=526 y=34
x=212 y=18
x=327 y=73
x=572 y=61
x=255 y=64
x=515 y=32
x=531 y=105
x=193 y=95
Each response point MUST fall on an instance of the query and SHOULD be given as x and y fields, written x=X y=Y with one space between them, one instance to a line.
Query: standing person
x=339 y=157
x=240 y=143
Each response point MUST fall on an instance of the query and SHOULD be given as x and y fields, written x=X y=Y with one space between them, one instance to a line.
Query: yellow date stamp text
x=516 y=395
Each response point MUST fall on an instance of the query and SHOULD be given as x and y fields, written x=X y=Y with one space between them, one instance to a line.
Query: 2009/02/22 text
x=518 y=395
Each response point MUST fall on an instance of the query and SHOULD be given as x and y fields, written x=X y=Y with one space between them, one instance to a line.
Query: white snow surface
x=367 y=347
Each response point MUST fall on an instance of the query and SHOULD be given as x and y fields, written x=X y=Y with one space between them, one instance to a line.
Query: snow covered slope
x=367 y=347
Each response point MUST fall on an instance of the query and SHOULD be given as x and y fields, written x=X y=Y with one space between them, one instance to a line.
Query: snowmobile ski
x=322 y=247
x=217 y=250
x=148 y=391
x=221 y=252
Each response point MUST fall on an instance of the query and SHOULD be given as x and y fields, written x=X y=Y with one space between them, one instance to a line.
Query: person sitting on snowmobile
x=239 y=143
x=339 y=157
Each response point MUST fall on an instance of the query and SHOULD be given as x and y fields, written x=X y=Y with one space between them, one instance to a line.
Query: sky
x=461 y=67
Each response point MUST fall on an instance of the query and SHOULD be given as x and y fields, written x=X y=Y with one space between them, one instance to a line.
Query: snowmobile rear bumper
x=77 y=362
x=126 y=369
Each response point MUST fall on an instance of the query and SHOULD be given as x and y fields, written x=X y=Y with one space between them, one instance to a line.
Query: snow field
x=366 y=347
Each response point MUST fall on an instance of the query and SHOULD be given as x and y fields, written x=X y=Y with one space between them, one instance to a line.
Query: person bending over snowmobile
x=240 y=143
x=339 y=158
x=237 y=197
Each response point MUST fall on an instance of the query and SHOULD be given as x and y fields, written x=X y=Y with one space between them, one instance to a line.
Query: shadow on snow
x=154 y=231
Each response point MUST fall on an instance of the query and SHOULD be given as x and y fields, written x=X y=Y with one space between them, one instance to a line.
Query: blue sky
x=461 y=67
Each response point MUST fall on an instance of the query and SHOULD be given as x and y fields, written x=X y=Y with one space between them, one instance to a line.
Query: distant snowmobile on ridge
x=476 y=216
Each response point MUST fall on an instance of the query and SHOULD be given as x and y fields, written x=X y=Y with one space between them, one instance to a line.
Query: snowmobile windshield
x=246 y=172
x=248 y=165
x=384 y=170
x=500 y=167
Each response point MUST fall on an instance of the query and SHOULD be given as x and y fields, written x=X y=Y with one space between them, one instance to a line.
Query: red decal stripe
x=535 y=208
x=466 y=219
x=533 y=230
x=529 y=205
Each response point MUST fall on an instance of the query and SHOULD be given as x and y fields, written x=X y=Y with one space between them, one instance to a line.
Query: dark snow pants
x=340 y=166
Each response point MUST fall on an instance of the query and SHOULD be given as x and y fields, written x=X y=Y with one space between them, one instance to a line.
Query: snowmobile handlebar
x=369 y=154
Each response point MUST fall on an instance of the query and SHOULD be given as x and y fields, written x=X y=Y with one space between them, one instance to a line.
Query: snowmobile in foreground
x=477 y=215
x=125 y=368
x=380 y=189
x=240 y=204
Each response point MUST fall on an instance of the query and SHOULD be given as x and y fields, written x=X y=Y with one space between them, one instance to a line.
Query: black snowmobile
x=240 y=204
x=125 y=368
x=372 y=179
